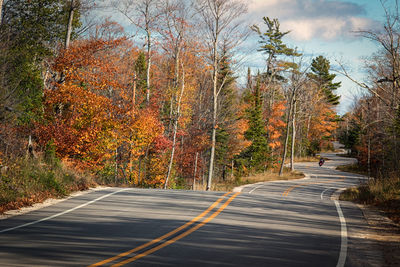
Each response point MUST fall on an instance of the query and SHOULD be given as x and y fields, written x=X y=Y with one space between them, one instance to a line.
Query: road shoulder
x=385 y=232
x=46 y=203
x=380 y=237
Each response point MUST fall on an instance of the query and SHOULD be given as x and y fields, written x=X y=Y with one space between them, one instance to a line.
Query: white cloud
x=309 y=19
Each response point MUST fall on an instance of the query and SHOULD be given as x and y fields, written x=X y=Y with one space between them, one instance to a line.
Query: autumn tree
x=220 y=18
x=374 y=139
x=174 y=35
x=277 y=51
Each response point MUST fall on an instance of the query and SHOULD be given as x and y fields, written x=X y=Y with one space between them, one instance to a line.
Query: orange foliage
x=81 y=118
x=275 y=124
x=322 y=124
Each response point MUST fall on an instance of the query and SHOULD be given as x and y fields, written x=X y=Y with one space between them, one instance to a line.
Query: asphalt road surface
x=286 y=223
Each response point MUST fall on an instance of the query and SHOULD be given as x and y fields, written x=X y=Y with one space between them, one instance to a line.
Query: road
x=285 y=223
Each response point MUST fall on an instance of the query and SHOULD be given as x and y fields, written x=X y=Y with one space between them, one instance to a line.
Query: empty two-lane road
x=287 y=223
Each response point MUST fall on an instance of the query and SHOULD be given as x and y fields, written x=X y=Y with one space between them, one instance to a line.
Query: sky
x=327 y=28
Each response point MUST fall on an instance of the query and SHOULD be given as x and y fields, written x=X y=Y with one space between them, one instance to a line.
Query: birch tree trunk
x=287 y=136
x=293 y=136
x=171 y=161
x=220 y=18
x=215 y=106
x=1 y=9
x=69 y=26
x=144 y=15
x=134 y=91
x=195 y=170
x=148 y=66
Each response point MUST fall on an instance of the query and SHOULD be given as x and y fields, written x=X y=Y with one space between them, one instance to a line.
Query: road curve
x=286 y=223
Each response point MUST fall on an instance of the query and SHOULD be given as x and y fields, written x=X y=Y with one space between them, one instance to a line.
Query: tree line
x=162 y=108
x=371 y=129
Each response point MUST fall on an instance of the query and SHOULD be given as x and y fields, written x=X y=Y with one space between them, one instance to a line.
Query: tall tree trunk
x=175 y=88
x=148 y=67
x=215 y=106
x=116 y=166
x=369 y=155
x=293 y=137
x=213 y=141
x=232 y=166
x=175 y=129
x=1 y=9
x=287 y=136
x=308 y=125
x=69 y=26
x=139 y=170
x=195 y=171
x=29 y=151
x=134 y=91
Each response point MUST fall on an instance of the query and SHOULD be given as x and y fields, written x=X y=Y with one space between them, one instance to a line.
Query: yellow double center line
x=287 y=191
x=164 y=237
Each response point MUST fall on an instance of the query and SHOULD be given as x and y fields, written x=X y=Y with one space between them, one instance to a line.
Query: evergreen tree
x=272 y=44
x=320 y=67
x=257 y=154
x=141 y=75
x=227 y=116
x=30 y=31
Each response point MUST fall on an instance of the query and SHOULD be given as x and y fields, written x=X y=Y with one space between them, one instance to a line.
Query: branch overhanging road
x=284 y=223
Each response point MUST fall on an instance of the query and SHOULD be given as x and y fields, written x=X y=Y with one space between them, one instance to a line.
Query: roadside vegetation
x=353 y=168
x=381 y=193
x=371 y=130
x=271 y=175
x=33 y=180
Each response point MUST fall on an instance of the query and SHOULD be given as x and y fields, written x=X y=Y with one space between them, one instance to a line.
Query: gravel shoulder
x=384 y=232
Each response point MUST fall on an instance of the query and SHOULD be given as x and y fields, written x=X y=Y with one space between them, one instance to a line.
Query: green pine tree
x=141 y=76
x=29 y=33
x=272 y=44
x=320 y=67
x=257 y=154
x=227 y=116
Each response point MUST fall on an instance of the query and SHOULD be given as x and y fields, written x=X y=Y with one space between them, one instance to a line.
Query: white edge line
x=62 y=213
x=343 y=244
x=240 y=188
x=323 y=192
x=255 y=188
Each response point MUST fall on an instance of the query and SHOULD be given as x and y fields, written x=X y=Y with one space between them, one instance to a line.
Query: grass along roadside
x=267 y=176
x=33 y=180
x=353 y=168
x=379 y=196
x=382 y=193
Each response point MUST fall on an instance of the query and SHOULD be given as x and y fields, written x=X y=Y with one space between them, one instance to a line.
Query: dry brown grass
x=307 y=159
x=229 y=184
x=30 y=181
x=353 y=168
x=383 y=193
